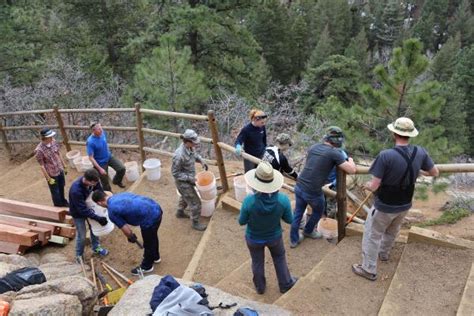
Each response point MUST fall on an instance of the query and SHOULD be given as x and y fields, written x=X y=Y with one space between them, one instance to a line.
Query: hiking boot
x=357 y=269
x=181 y=214
x=284 y=290
x=314 y=234
x=295 y=244
x=200 y=227
x=384 y=257
x=101 y=251
x=136 y=271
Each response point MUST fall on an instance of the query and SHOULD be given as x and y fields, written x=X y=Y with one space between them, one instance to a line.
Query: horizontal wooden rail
x=121 y=146
x=171 y=134
x=23 y=141
x=168 y=154
x=102 y=110
x=107 y=128
x=27 y=112
x=24 y=127
x=175 y=114
x=443 y=168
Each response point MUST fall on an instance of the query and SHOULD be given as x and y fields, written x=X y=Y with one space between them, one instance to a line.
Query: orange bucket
x=204 y=178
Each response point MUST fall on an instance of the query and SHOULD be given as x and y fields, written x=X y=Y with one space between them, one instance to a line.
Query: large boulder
x=57 y=270
x=76 y=286
x=136 y=300
x=52 y=258
x=56 y=304
x=9 y=263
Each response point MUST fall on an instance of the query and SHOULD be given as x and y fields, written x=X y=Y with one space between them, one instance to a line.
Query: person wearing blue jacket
x=80 y=190
x=253 y=138
x=127 y=209
x=262 y=212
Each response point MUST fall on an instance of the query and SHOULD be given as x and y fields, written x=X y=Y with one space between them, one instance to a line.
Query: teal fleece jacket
x=262 y=213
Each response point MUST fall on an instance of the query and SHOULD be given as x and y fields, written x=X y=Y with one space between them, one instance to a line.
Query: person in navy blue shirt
x=253 y=138
x=101 y=157
x=80 y=190
x=127 y=209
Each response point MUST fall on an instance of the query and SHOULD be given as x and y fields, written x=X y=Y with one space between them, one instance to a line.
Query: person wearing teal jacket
x=262 y=212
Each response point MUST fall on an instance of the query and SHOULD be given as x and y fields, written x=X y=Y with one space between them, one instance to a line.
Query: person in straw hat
x=52 y=166
x=262 y=212
x=184 y=173
x=394 y=173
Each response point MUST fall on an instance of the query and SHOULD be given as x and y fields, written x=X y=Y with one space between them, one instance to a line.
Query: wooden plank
x=59 y=240
x=60 y=229
x=18 y=235
x=121 y=146
x=26 y=112
x=217 y=150
x=49 y=212
x=44 y=234
x=175 y=114
x=12 y=248
x=466 y=306
x=171 y=134
x=24 y=127
x=231 y=204
x=68 y=220
x=107 y=128
x=341 y=200
x=422 y=235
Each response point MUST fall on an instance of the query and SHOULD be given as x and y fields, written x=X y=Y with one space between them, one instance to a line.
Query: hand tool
x=82 y=267
x=123 y=277
x=120 y=284
x=359 y=208
x=93 y=273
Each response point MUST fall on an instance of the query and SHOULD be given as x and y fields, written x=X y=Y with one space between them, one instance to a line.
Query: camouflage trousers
x=188 y=199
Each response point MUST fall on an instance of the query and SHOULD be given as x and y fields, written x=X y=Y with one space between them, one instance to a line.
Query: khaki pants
x=381 y=230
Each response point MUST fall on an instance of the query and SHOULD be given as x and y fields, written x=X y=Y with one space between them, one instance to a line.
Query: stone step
x=429 y=278
x=331 y=288
x=300 y=261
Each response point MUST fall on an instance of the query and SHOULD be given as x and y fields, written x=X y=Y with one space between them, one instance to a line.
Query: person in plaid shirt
x=52 y=166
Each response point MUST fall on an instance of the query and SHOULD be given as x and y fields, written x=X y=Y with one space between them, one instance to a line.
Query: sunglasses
x=258 y=118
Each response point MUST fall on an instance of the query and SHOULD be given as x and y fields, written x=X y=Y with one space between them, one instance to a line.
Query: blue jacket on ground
x=262 y=212
x=136 y=210
x=98 y=148
x=78 y=194
x=253 y=139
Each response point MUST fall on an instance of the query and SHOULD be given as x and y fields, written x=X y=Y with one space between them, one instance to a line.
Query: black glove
x=205 y=166
x=132 y=238
x=102 y=220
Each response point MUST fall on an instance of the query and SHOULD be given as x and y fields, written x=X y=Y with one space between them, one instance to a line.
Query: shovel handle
x=123 y=277
x=359 y=208
x=120 y=284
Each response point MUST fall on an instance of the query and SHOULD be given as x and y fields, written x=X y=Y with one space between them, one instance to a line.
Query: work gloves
x=238 y=149
x=51 y=181
x=205 y=166
x=132 y=238
x=102 y=220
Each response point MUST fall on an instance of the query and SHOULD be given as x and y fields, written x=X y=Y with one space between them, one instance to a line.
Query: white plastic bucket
x=86 y=163
x=328 y=228
x=70 y=155
x=240 y=188
x=132 y=174
x=206 y=185
x=98 y=229
x=153 y=168
x=78 y=163
x=208 y=207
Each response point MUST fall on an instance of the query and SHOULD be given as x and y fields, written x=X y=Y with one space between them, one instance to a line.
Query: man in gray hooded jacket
x=184 y=173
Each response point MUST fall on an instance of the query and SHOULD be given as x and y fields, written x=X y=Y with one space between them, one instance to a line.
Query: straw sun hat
x=264 y=178
x=403 y=126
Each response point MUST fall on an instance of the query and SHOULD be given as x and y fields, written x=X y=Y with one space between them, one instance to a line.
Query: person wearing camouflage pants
x=184 y=173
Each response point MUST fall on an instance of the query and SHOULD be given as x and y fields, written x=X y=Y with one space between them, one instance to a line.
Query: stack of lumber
x=24 y=225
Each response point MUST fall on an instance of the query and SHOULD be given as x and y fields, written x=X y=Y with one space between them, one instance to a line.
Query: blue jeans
x=57 y=190
x=80 y=224
x=317 y=203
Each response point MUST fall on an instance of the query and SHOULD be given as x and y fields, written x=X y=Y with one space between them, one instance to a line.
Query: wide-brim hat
x=403 y=126
x=46 y=133
x=264 y=178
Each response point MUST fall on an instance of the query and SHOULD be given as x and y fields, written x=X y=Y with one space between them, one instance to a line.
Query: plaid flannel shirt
x=48 y=157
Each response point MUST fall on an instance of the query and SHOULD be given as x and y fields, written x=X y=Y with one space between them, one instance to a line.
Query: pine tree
x=357 y=50
x=391 y=23
x=463 y=23
x=443 y=64
x=300 y=45
x=432 y=25
x=322 y=51
x=168 y=81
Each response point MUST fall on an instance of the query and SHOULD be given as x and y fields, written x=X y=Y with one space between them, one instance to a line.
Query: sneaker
x=384 y=257
x=357 y=269
x=135 y=271
x=294 y=279
x=101 y=251
x=314 y=235
x=157 y=260
x=181 y=214
x=295 y=244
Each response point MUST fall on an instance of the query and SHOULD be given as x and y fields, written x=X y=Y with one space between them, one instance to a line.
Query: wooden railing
x=340 y=195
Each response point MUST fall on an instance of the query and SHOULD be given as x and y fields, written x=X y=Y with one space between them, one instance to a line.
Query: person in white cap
x=394 y=173
x=184 y=173
x=262 y=212
x=52 y=166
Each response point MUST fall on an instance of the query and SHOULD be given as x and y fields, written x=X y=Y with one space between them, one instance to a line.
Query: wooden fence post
x=5 y=140
x=141 y=140
x=59 y=118
x=220 y=159
x=341 y=204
